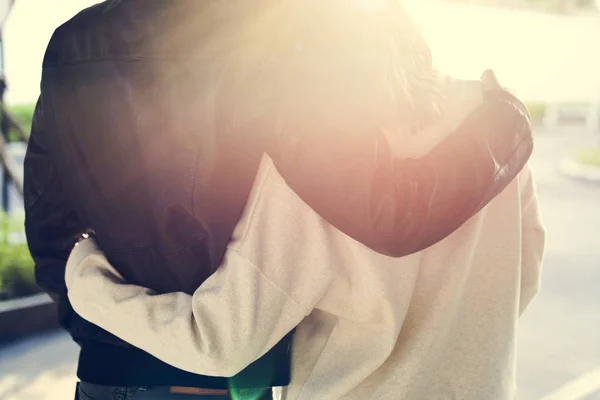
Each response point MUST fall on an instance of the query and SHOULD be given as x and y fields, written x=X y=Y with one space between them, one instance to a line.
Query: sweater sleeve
x=533 y=236
x=271 y=277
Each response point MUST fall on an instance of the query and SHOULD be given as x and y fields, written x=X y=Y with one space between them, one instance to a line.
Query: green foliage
x=24 y=115
x=559 y=6
x=586 y=3
x=17 y=277
x=589 y=157
x=537 y=112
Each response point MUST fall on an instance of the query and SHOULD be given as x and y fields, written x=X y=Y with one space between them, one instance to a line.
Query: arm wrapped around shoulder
x=401 y=206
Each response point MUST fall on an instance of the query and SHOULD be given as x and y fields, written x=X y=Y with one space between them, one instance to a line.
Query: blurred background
x=545 y=51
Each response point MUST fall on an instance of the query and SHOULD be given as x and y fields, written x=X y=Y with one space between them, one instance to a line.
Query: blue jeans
x=88 y=391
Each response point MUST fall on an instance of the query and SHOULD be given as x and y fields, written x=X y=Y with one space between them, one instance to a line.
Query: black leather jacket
x=128 y=140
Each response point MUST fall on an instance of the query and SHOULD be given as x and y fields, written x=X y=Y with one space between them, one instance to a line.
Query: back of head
x=335 y=64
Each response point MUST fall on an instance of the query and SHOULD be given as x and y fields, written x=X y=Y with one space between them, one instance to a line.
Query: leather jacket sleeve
x=51 y=223
x=401 y=206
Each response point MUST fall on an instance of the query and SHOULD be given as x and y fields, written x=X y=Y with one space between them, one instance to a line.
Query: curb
x=573 y=169
x=27 y=316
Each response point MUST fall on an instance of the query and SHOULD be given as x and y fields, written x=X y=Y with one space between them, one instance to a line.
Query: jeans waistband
x=90 y=391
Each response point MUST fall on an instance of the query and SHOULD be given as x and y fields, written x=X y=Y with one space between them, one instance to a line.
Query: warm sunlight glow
x=526 y=49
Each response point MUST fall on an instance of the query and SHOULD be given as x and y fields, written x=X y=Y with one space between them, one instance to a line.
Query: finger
x=489 y=80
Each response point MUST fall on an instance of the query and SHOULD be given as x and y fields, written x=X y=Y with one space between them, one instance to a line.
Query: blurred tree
x=561 y=6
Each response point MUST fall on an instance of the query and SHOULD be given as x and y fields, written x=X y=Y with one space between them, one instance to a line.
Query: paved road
x=559 y=333
x=41 y=368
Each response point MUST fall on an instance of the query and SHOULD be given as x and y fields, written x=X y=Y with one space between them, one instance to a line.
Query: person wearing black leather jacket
x=138 y=136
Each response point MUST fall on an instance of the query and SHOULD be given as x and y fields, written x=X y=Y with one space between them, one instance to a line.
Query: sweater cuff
x=80 y=252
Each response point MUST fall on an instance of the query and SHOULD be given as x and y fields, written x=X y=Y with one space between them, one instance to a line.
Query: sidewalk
x=575 y=170
x=39 y=368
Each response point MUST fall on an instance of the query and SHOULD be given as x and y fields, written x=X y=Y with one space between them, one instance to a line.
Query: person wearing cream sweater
x=437 y=324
